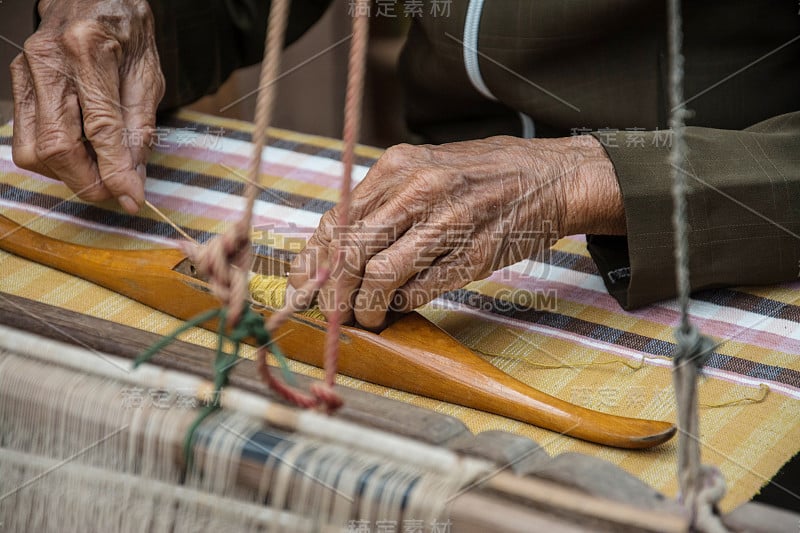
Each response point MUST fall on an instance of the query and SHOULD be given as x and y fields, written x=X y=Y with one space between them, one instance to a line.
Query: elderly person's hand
x=429 y=219
x=87 y=77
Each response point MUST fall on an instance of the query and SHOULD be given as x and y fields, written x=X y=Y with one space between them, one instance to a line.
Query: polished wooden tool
x=411 y=355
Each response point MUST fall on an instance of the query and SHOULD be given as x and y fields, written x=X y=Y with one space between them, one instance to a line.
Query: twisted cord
x=321 y=394
x=352 y=125
x=226 y=260
x=677 y=156
x=701 y=487
x=324 y=394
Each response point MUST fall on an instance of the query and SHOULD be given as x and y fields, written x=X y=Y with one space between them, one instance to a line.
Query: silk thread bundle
x=271 y=292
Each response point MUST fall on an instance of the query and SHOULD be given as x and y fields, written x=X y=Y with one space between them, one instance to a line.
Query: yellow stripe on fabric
x=758 y=354
x=571 y=246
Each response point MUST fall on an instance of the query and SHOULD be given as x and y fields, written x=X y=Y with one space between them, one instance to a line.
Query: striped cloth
x=552 y=311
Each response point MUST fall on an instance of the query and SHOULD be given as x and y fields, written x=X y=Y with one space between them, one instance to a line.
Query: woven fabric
x=553 y=310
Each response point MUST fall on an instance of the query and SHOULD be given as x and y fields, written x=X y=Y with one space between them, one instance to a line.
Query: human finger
x=59 y=137
x=23 y=144
x=390 y=269
x=306 y=264
x=449 y=272
x=98 y=86
x=141 y=92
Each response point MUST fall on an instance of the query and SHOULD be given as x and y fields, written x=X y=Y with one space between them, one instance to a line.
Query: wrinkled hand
x=429 y=219
x=91 y=68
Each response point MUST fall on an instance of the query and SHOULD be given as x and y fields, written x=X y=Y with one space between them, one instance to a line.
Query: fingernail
x=142 y=170
x=128 y=204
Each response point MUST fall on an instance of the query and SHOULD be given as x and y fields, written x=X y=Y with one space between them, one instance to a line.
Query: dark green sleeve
x=200 y=43
x=743 y=211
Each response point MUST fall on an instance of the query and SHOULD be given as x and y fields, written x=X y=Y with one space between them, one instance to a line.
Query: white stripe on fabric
x=223 y=145
x=746 y=320
x=211 y=198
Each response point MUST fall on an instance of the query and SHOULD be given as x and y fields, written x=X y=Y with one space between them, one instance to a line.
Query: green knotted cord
x=251 y=324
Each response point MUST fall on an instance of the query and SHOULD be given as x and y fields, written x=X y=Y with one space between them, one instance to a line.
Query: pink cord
x=352 y=125
x=226 y=259
x=324 y=393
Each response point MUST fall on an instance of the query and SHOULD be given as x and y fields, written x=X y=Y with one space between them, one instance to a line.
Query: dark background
x=310 y=99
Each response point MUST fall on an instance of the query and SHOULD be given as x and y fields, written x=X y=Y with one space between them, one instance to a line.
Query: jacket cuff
x=743 y=219
x=636 y=268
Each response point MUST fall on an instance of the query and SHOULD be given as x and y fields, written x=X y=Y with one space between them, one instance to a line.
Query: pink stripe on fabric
x=722 y=327
x=627 y=353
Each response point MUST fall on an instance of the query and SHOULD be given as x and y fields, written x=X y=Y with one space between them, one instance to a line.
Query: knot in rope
x=225 y=262
x=691 y=346
x=251 y=324
x=712 y=490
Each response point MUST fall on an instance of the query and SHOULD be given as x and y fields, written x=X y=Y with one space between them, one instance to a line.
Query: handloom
x=193 y=499
x=112 y=458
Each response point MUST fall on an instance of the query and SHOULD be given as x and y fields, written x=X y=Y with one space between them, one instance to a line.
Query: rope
x=226 y=259
x=701 y=486
x=323 y=393
x=352 y=125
